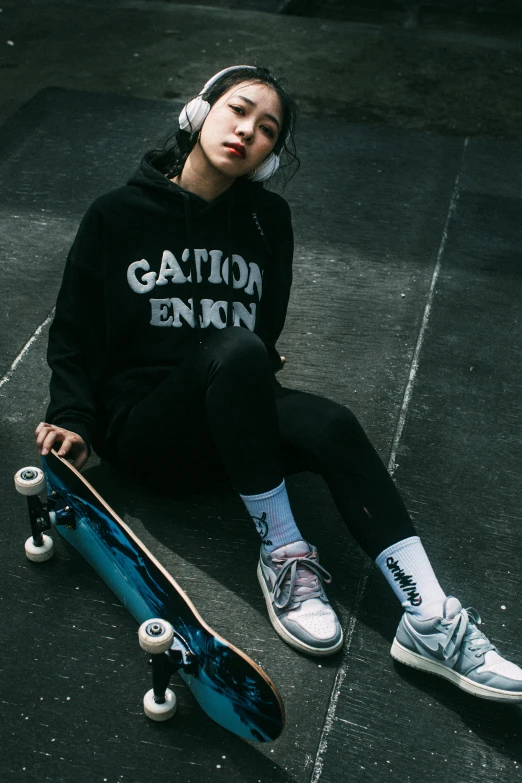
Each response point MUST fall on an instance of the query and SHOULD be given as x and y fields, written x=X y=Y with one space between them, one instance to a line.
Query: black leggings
x=222 y=414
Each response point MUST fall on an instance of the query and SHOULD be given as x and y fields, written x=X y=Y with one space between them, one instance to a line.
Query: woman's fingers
x=71 y=444
x=48 y=435
x=75 y=447
x=50 y=439
x=65 y=447
x=41 y=433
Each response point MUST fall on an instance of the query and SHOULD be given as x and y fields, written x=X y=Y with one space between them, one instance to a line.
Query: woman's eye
x=240 y=110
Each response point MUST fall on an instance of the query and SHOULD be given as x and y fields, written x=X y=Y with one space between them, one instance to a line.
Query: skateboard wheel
x=29 y=481
x=39 y=553
x=156 y=636
x=156 y=711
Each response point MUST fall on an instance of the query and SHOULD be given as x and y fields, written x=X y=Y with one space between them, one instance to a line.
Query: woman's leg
x=217 y=411
x=435 y=633
x=326 y=438
x=214 y=412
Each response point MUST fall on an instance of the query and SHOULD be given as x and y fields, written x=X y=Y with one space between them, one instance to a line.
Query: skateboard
x=230 y=687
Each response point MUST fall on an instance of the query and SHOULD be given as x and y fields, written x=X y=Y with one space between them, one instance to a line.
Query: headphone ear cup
x=267 y=169
x=194 y=114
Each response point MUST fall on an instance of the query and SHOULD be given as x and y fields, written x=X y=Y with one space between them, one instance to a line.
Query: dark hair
x=171 y=158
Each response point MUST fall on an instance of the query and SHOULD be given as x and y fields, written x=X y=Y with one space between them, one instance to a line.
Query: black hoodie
x=146 y=276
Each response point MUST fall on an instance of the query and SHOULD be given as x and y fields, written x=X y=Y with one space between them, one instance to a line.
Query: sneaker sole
x=284 y=634
x=403 y=655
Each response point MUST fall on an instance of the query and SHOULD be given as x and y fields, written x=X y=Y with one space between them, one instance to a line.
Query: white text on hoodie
x=169 y=312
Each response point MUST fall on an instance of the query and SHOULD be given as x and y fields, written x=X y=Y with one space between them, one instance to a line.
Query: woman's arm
x=277 y=282
x=76 y=350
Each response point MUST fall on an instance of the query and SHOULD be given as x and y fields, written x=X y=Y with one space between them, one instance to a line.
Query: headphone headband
x=194 y=114
x=217 y=76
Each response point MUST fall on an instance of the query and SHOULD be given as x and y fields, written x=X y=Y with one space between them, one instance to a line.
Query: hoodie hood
x=149 y=178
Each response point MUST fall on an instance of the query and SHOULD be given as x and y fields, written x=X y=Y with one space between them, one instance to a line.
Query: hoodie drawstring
x=196 y=304
x=230 y=304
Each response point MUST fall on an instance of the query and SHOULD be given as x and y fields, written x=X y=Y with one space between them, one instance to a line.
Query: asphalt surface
x=446 y=74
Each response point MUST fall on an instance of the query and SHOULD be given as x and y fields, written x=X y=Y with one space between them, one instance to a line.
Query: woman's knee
x=339 y=436
x=237 y=347
x=316 y=423
x=340 y=430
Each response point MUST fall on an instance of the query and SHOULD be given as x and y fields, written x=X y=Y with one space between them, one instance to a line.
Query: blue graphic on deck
x=222 y=683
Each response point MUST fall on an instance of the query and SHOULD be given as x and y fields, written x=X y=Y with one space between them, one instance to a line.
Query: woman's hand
x=72 y=445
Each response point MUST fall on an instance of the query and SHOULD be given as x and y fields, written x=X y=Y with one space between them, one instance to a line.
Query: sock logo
x=405 y=581
x=262 y=528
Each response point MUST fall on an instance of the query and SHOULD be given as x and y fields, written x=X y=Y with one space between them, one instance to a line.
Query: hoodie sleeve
x=277 y=281
x=77 y=336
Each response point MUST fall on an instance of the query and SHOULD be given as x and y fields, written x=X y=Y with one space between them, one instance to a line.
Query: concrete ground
x=391 y=64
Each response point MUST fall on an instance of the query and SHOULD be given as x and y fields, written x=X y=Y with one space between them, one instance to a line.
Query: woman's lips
x=235 y=151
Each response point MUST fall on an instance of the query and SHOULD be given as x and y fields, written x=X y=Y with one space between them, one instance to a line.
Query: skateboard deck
x=230 y=687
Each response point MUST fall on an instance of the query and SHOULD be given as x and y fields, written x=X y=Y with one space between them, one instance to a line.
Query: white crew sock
x=411 y=577
x=273 y=517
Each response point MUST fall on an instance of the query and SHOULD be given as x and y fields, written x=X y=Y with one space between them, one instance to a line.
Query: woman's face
x=242 y=128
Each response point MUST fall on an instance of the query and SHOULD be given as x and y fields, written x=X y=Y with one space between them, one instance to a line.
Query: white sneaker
x=453 y=647
x=292 y=583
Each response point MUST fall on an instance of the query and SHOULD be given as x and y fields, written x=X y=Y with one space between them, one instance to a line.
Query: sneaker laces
x=464 y=628
x=303 y=575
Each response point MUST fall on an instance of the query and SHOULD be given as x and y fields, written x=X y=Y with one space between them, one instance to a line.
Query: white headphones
x=194 y=114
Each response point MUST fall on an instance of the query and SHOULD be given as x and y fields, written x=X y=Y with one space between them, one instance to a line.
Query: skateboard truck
x=42 y=516
x=170 y=653
x=181 y=656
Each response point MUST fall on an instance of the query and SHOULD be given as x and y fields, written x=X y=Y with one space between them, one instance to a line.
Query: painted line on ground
x=341 y=674
x=9 y=374
x=343 y=668
x=392 y=465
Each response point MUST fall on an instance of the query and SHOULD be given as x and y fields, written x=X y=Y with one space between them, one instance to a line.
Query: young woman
x=163 y=353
